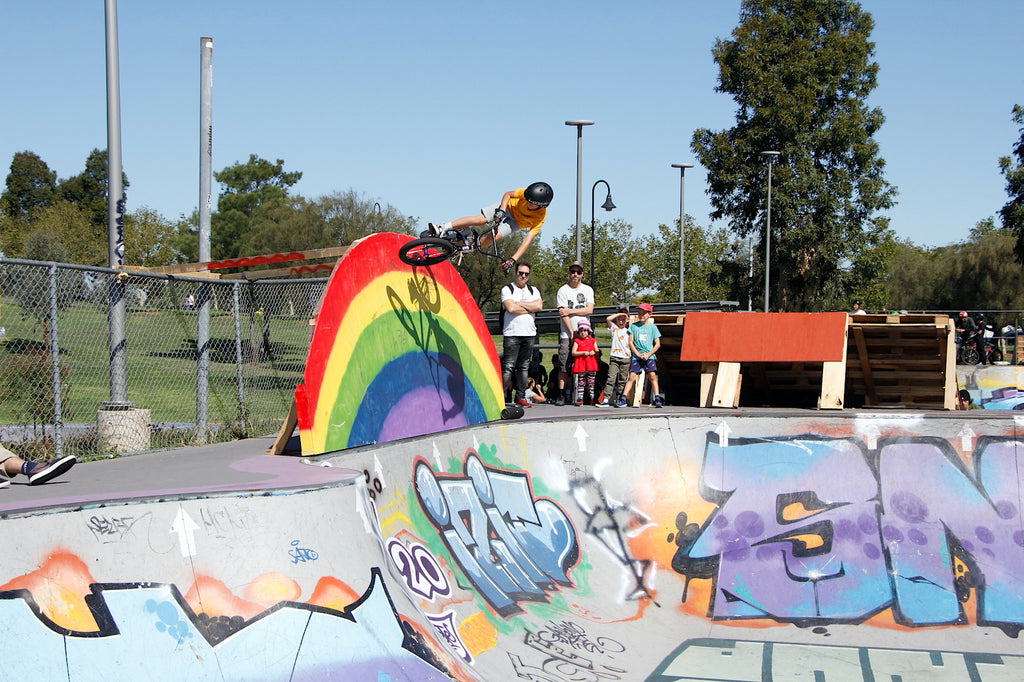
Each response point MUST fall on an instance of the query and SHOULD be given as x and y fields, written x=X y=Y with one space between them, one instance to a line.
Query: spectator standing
x=521 y=301
x=575 y=302
x=857 y=310
x=584 y=365
x=618 y=361
x=644 y=342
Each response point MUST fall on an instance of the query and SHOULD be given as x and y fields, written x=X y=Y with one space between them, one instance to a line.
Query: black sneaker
x=432 y=230
x=41 y=472
x=559 y=402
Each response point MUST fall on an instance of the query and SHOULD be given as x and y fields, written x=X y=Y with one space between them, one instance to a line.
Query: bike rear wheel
x=995 y=355
x=426 y=251
x=969 y=355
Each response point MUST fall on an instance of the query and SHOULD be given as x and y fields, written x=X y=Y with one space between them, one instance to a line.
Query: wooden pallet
x=901 y=361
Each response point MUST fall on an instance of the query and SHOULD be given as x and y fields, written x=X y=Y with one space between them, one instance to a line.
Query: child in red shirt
x=584 y=364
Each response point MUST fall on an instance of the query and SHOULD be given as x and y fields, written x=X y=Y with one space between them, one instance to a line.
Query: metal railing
x=55 y=359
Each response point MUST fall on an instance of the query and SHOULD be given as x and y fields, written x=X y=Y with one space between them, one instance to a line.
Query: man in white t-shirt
x=520 y=302
x=575 y=301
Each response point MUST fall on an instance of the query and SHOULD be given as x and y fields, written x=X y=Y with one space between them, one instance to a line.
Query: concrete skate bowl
x=677 y=547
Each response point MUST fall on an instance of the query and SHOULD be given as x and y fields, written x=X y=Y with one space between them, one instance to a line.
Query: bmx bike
x=452 y=245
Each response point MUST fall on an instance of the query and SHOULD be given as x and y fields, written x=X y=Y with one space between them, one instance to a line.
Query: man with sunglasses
x=520 y=209
x=520 y=302
x=575 y=301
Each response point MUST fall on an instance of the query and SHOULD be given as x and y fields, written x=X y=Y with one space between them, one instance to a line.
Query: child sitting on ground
x=533 y=392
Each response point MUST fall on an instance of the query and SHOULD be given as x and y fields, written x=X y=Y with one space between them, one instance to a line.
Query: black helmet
x=539 y=193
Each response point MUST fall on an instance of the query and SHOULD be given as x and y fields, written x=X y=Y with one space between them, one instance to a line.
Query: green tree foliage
x=800 y=72
x=185 y=240
x=337 y=219
x=88 y=191
x=978 y=274
x=148 y=238
x=33 y=287
x=30 y=185
x=710 y=272
x=70 y=226
x=615 y=253
x=1013 y=170
x=247 y=187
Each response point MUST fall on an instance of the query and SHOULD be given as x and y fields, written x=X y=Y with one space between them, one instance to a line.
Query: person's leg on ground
x=509 y=356
x=522 y=367
x=564 y=381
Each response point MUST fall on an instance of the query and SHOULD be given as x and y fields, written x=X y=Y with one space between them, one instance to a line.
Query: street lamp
x=682 y=215
x=579 y=175
x=771 y=157
x=607 y=205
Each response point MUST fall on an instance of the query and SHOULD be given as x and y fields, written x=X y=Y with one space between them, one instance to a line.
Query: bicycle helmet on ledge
x=539 y=194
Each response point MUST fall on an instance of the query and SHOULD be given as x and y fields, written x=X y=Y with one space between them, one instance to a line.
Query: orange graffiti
x=477 y=634
x=59 y=588
x=272 y=588
x=212 y=597
x=331 y=593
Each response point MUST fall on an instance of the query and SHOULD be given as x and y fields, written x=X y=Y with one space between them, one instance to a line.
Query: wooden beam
x=242 y=262
x=865 y=366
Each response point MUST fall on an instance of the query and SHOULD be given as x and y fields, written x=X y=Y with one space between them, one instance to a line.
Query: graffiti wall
x=993 y=387
x=277 y=587
x=698 y=547
x=693 y=547
x=397 y=351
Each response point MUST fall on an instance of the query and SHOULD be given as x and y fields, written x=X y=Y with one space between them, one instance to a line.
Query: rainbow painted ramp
x=398 y=351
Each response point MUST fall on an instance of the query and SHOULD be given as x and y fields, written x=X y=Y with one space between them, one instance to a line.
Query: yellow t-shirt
x=525 y=218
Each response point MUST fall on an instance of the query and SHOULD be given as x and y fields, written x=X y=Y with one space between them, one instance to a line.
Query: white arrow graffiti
x=966 y=438
x=581 y=437
x=185 y=527
x=723 y=432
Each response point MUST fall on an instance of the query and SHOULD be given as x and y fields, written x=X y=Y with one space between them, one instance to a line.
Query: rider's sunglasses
x=575 y=272
x=523 y=273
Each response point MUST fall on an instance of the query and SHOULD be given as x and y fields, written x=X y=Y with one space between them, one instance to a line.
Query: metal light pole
x=771 y=156
x=115 y=226
x=579 y=175
x=682 y=216
x=608 y=206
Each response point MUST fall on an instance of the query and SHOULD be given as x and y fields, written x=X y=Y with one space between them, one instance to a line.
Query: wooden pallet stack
x=901 y=361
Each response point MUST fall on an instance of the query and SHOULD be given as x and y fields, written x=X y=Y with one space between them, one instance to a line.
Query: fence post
x=202 y=362
x=237 y=312
x=58 y=418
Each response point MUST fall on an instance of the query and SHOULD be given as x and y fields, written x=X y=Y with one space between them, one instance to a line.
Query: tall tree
x=30 y=185
x=88 y=191
x=800 y=72
x=1013 y=170
x=247 y=186
x=70 y=226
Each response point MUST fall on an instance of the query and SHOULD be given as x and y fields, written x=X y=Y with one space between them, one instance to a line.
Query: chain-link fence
x=55 y=356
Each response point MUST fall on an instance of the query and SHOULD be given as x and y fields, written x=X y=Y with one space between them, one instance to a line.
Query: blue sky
x=437 y=108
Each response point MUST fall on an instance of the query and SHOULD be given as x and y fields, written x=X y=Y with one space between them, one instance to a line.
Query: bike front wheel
x=969 y=355
x=426 y=251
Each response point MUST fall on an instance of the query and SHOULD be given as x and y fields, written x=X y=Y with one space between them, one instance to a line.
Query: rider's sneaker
x=603 y=403
x=41 y=472
x=658 y=401
x=432 y=230
x=621 y=402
